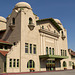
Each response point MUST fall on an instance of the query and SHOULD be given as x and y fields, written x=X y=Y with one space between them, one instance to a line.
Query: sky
x=58 y=9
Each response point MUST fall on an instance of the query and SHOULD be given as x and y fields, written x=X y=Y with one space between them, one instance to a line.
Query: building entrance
x=73 y=66
x=50 y=65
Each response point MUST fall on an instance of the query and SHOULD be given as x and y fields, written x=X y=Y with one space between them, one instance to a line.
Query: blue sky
x=61 y=9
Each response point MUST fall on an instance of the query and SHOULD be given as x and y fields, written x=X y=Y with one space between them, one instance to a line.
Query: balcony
x=31 y=26
x=49 y=32
x=63 y=37
x=12 y=26
x=53 y=57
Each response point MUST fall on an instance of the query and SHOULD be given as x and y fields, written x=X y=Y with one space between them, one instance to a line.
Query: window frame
x=30 y=20
x=14 y=62
x=30 y=64
x=46 y=50
x=26 y=48
x=65 y=53
x=13 y=21
x=30 y=48
x=64 y=64
x=61 y=52
x=34 y=49
x=50 y=51
x=17 y=62
x=10 y=62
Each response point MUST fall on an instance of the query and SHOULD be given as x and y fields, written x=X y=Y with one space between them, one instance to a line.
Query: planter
x=32 y=70
x=65 y=68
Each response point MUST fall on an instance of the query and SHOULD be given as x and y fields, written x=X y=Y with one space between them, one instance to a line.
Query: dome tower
x=2 y=23
x=23 y=5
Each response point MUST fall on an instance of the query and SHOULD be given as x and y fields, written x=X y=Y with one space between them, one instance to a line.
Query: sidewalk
x=58 y=72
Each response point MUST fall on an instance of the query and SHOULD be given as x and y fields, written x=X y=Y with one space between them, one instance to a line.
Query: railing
x=11 y=26
x=63 y=37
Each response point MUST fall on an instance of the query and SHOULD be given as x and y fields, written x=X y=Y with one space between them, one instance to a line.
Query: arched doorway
x=73 y=66
x=31 y=65
x=64 y=65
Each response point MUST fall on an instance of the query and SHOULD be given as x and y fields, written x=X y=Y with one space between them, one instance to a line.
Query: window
x=65 y=53
x=13 y=21
x=26 y=47
x=30 y=64
x=50 y=61
x=10 y=62
x=30 y=48
x=34 y=49
x=53 y=61
x=14 y=62
x=14 y=43
x=42 y=27
x=64 y=64
x=17 y=62
x=6 y=47
x=46 y=50
x=50 y=51
x=1 y=47
x=61 y=53
x=62 y=33
x=30 y=20
x=47 y=61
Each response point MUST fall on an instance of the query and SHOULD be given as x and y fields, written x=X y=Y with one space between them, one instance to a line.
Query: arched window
x=50 y=50
x=62 y=33
x=31 y=64
x=13 y=20
x=30 y=20
x=64 y=64
x=42 y=27
x=46 y=50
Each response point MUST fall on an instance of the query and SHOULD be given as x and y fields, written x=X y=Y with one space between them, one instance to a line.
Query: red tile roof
x=4 y=52
x=4 y=42
x=73 y=53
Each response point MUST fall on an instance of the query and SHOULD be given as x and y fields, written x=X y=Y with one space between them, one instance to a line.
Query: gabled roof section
x=52 y=21
x=4 y=42
x=4 y=52
x=71 y=52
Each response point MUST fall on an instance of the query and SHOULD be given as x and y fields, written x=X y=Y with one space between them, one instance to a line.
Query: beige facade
x=37 y=44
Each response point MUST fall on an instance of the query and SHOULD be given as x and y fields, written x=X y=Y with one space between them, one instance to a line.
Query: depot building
x=28 y=43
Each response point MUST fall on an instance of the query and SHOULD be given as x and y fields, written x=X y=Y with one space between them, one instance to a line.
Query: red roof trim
x=73 y=53
x=5 y=42
x=4 y=52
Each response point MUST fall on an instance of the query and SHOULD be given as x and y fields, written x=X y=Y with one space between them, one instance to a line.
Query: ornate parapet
x=49 y=32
